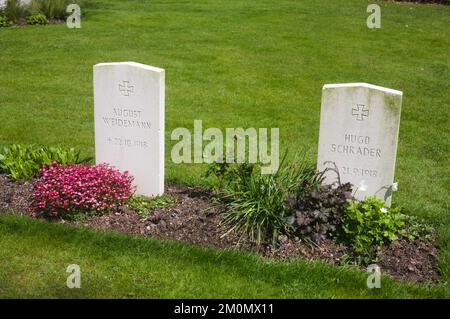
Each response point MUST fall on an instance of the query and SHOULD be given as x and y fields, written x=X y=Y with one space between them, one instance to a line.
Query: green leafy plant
x=368 y=225
x=24 y=161
x=416 y=229
x=143 y=204
x=37 y=18
x=221 y=171
x=4 y=22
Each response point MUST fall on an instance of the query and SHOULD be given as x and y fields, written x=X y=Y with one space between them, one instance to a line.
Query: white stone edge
x=130 y=63
x=366 y=85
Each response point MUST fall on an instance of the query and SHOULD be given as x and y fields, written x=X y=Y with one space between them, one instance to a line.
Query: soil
x=195 y=220
x=410 y=260
x=14 y=196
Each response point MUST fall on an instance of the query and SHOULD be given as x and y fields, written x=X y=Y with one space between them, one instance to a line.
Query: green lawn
x=229 y=63
x=116 y=265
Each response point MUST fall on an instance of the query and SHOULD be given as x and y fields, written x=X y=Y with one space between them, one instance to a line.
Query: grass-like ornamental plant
x=14 y=10
x=257 y=204
x=257 y=207
x=24 y=161
x=66 y=191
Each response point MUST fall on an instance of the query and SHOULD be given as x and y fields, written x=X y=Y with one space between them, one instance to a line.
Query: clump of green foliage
x=24 y=161
x=15 y=11
x=368 y=225
x=256 y=203
x=37 y=18
x=53 y=9
x=4 y=22
x=293 y=202
x=143 y=204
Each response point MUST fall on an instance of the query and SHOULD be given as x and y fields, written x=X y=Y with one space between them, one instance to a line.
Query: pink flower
x=62 y=190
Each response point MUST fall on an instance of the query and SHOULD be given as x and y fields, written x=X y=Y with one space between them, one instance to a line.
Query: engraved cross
x=125 y=88
x=360 y=111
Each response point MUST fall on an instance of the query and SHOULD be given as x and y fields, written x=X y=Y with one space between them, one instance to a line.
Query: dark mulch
x=193 y=219
x=410 y=260
x=14 y=196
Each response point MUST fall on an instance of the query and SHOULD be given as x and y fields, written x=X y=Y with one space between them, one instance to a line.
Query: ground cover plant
x=296 y=39
x=37 y=18
x=65 y=191
x=20 y=161
x=143 y=204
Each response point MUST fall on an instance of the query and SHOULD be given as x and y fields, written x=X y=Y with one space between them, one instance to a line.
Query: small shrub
x=4 y=22
x=36 y=19
x=318 y=213
x=143 y=204
x=66 y=191
x=25 y=161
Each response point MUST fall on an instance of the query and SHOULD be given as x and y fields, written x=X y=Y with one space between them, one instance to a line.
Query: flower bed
x=284 y=215
x=195 y=220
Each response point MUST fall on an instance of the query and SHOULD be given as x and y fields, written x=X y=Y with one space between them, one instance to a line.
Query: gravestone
x=129 y=121
x=359 y=126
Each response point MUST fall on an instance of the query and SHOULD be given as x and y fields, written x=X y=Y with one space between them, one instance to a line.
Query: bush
x=25 y=161
x=4 y=22
x=318 y=214
x=65 y=191
x=37 y=18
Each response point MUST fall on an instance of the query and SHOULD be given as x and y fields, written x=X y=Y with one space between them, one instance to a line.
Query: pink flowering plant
x=66 y=191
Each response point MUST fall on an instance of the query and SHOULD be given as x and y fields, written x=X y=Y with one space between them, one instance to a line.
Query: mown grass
x=116 y=265
x=251 y=64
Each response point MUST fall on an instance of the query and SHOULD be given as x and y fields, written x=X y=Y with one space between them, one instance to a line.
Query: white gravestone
x=359 y=126
x=129 y=121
